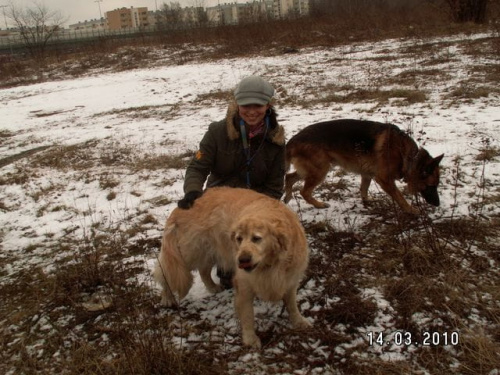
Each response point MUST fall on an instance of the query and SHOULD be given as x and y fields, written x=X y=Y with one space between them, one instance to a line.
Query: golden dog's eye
x=256 y=239
x=239 y=239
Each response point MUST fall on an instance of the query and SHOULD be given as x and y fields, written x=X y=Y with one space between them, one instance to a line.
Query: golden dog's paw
x=251 y=340
x=217 y=288
x=167 y=302
x=301 y=323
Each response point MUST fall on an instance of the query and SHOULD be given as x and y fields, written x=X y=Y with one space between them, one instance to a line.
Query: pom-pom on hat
x=253 y=90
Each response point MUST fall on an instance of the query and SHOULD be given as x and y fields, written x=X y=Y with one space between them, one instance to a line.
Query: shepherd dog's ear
x=437 y=160
x=433 y=164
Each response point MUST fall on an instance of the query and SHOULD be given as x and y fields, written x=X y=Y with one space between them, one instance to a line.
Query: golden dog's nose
x=245 y=258
x=245 y=261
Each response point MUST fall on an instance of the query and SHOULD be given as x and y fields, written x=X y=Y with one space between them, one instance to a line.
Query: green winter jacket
x=221 y=158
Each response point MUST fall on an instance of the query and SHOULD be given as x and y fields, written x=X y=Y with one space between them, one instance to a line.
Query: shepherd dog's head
x=424 y=176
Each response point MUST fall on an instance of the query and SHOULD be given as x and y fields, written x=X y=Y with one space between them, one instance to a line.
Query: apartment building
x=192 y=15
x=92 y=25
x=255 y=11
x=223 y=14
x=234 y=13
x=125 y=18
x=290 y=8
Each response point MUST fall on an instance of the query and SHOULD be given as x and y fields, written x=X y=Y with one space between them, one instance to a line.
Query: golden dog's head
x=258 y=243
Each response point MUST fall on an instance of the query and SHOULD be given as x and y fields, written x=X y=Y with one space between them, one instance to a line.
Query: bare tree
x=460 y=10
x=344 y=7
x=468 y=10
x=252 y=12
x=200 y=15
x=171 y=15
x=37 y=25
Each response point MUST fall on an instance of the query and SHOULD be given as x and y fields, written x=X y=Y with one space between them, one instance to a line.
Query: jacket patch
x=198 y=155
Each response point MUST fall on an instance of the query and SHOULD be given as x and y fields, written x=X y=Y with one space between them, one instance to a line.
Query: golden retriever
x=198 y=239
x=271 y=256
x=242 y=230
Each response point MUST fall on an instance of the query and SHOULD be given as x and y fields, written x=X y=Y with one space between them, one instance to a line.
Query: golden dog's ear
x=278 y=230
x=282 y=241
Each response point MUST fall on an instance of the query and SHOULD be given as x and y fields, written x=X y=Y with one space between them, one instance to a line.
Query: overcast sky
x=81 y=10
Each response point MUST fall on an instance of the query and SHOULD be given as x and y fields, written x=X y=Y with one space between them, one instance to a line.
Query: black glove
x=188 y=200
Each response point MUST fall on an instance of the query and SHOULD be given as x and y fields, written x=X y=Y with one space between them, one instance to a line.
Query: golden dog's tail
x=171 y=271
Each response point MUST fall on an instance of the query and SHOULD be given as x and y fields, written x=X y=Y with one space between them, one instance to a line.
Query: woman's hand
x=187 y=202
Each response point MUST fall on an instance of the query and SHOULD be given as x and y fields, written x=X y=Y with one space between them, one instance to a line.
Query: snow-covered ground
x=165 y=110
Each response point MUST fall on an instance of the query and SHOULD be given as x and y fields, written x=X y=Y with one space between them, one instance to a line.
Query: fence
x=15 y=42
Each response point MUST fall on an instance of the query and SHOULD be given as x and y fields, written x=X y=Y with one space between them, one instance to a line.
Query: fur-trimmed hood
x=276 y=133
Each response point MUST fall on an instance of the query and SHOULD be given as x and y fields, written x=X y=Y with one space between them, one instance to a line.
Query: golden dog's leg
x=296 y=318
x=167 y=297
x=243 y=303
x=206 y=277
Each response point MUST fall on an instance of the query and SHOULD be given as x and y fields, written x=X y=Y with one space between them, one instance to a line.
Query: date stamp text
x=404 y=338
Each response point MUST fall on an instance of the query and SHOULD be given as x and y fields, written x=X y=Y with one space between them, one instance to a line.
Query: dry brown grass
x=267 y=38
x=38 y=305
x=89 y=154
x=422 y=268
x=419 y=273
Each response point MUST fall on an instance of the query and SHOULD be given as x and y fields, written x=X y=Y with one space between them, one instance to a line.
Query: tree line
x=461 y=11
x=37 y=23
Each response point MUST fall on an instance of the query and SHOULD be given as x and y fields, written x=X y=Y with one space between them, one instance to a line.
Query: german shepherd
x=374 y=150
